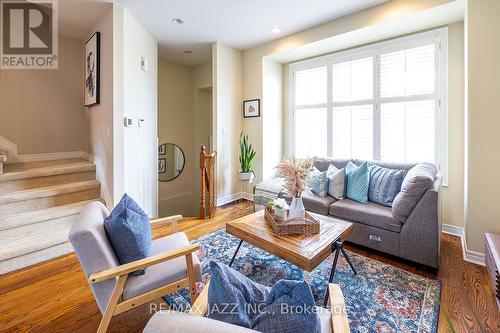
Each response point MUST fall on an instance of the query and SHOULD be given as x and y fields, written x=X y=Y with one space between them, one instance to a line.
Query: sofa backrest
x=322 y=164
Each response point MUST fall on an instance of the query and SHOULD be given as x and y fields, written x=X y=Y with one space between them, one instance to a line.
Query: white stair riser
x=47 y=202
x=32 y=183
x=35 y=257
x=30 y=230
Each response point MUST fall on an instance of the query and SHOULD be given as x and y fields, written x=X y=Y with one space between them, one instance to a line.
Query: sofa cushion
x=385 y=184
x=318 y=182
x=371 y=214
x=129 y=232
x=336 y=182
x=358 y=179
x=315 y=203
x=418 y=180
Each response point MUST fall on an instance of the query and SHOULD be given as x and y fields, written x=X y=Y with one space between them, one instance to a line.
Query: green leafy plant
x=247 y=154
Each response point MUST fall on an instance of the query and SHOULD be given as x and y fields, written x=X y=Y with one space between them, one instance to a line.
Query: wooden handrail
x=207 y=173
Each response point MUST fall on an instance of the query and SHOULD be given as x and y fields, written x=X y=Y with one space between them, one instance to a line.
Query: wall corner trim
x=468 y=255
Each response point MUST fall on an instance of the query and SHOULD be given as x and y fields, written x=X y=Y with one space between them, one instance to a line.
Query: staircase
x=39 y=201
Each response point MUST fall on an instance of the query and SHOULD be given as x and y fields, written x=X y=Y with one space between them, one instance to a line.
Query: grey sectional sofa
x=416 y=239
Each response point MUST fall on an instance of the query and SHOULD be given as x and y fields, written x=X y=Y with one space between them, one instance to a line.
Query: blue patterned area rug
x=380 y=298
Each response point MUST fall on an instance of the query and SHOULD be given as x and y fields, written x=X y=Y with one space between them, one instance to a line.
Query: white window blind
x=382 y=102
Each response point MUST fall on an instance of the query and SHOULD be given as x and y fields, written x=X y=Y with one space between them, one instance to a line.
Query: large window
x=386 y=101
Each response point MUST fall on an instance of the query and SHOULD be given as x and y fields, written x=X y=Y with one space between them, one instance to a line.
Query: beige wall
x=100 y=116
x=482 y=129
x=175 y=125
x=227 y=117
x=41 y=111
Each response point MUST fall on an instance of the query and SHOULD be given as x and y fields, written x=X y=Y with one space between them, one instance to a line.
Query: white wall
x=227 y=110
x=140 y=102
x=482 y=118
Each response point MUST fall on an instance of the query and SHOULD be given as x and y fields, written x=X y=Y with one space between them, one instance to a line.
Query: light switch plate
x=128 y=121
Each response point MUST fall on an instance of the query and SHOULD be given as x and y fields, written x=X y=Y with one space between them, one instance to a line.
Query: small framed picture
x=251 y=108
x=92 y=70
x=162 y=149
x=162 y=165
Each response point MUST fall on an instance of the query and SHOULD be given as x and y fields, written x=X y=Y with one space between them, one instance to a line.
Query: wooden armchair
x=172 y=266
x=176 y=322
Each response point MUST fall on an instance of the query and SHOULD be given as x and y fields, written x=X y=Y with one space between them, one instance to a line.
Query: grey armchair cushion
x=371 y=214
x=418 y=180
x=164 y=273
x=129 y=232
x=92 y=247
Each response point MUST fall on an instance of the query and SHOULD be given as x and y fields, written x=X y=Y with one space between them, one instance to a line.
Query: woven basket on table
x=296 y=226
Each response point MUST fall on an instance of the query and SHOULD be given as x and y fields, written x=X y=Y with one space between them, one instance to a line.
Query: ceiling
x=241 y=24
x=77 y=17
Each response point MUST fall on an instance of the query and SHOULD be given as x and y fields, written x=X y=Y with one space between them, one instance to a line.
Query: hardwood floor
x=54 y=296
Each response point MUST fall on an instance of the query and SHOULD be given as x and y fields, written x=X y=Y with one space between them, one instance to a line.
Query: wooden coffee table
x=305 y=252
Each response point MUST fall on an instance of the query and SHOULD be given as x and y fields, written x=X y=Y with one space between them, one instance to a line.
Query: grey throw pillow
x=418 y=180
x=336 y=182
x=318 y=182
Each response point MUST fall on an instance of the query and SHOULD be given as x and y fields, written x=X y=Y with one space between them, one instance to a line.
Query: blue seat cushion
x=129 y=232
x=358 y=180
x=235 y=299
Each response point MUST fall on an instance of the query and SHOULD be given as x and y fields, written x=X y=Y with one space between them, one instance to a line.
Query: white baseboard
x=52 y=156
x=99 y=175
x=468 y=255
x=233 y=197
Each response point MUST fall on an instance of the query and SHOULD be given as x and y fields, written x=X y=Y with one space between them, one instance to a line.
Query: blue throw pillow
x=318 y=182
x=358 y=180
x=235 y=299
x=129 y=232
x=385 y=184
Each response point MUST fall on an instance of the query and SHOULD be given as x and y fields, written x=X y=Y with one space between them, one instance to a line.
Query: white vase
x=296 y=208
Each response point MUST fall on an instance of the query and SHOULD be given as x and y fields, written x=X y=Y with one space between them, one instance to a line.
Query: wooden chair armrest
x=142 y=263
x=172 y=219
x=200 y=306
x=340 y=323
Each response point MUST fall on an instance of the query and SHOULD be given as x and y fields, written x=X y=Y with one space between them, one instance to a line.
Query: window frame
x=438 y=37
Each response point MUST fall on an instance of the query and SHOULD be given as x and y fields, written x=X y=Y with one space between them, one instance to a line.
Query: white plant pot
x=246 y=176
x=281 y=213
x=296 y=208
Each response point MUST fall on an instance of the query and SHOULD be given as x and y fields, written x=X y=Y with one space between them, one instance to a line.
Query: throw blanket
x=266 y=191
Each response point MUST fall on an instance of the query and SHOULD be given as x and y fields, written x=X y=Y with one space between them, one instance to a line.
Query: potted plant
x=295 y=172
x=247 y=154
x=280 y=207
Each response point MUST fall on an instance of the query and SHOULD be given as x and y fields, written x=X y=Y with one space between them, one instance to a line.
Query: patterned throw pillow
x=385 y=184
x=358 y=179
x=336 y=182
x=318 y=182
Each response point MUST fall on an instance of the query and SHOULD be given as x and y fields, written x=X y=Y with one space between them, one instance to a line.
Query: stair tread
x=46 y=168
x=48 y=191
x=15 y=247
x=41 y=215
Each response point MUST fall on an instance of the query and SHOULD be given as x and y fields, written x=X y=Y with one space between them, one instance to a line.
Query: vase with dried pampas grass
x=294 y=172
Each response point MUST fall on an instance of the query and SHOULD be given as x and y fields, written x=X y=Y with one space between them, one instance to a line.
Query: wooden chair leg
x=191 y=276
x=113 y=300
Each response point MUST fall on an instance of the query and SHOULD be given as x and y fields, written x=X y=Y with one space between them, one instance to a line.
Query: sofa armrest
x=420 y=234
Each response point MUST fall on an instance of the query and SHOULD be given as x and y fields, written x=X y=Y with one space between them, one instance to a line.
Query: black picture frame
x=87 y=80
x=247 y=104
x=162 y=149
x=160 y=168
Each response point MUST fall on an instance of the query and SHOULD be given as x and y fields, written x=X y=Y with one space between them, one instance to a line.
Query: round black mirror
x=170 y=161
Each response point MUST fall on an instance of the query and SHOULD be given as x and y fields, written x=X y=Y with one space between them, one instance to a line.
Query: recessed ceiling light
x=188 y=51
x=177 y=20
x=275 y=30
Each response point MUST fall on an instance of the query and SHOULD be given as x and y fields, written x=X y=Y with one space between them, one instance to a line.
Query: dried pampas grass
x=295 y=172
